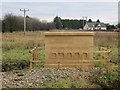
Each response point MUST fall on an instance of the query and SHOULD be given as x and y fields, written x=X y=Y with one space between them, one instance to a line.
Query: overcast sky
x=105 y=11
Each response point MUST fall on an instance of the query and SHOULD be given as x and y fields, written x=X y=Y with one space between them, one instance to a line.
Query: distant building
x=95 y=26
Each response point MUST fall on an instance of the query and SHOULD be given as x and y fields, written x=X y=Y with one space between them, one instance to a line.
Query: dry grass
x=32 y=39
x=16 y=46
x=18 y=40
x=106 y=39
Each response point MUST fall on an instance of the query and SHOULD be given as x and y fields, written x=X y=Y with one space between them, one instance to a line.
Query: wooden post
x=31 y=57
x=31 y=66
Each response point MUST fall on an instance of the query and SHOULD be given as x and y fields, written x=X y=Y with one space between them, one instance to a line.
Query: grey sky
x=105 y=11
x=119 y=11
x=60 y=1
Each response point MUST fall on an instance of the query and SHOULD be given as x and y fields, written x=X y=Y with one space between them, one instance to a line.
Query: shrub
x=15 y=59
x=109 y=79
x=65 y=83
x=98 y=64
x=7 y=66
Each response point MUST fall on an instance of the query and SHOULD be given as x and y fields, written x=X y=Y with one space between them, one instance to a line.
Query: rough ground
x=40 y=76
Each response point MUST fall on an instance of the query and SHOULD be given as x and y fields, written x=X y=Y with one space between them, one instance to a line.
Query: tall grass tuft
x=18 y=40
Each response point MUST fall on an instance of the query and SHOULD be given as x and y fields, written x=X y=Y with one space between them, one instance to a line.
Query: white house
x=95 y=26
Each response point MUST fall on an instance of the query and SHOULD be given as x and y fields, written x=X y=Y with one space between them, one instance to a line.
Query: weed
x=65 y=83
x=109 y=79
x=16 y=45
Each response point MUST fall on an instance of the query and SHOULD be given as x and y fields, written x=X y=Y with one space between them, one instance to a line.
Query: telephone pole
x=83 y=20
x=86 y=19
x=24 y=10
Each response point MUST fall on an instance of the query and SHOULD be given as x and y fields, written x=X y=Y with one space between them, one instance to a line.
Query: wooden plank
x=69 y=65
x=102 y=51
x=50 y=65
x=35 y=61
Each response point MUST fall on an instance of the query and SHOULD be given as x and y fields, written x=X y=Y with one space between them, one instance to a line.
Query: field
x=16 y=46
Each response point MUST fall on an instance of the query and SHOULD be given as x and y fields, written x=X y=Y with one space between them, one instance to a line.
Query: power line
x=24 y=10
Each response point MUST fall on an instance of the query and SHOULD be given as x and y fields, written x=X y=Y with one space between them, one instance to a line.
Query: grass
x=65 y=83
x=15 y=56
x=18 y=40
x=110 y=78
x=16 y=45
x=107 y=39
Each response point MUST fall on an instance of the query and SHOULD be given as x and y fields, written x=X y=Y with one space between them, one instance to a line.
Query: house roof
x=95 y=24
x=102 y=25
x=91 y=24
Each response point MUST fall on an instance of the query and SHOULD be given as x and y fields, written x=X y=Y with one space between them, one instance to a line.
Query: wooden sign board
x=68 y=49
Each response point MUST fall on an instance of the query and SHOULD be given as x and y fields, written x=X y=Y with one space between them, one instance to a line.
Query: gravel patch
x=26 y=79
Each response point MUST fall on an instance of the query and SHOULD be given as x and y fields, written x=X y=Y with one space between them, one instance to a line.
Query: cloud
x=119 y=12
x=60 y=1
x=106 y=12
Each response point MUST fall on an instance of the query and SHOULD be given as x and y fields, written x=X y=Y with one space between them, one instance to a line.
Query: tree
x=90 y=20
x=12 y=23
x=98 y=21
x=0 y=24
x=72 y=23
x=9 y=22
x=58 y=23
x=118 y=25
x=110 y=27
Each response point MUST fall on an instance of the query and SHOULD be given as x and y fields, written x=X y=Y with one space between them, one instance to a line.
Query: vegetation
x=90 y=20
x=65 y=83
x=98 y=20
x=11 y=23
x=15 y=55
x=16 y=46
x=58 y=23
x=110 y=27
x=72 y=24
x=110 y=78
x=119 y=25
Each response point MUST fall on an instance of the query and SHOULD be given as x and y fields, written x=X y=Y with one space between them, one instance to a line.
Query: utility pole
x=86 y=19
x=24 y=10
x=83 y=20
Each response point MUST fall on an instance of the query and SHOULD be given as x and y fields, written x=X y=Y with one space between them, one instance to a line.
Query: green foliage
x=110 y=27
x=41 y=58
x=58 y=23
x=115 y=59
x=72 y=24
x=98 y=64
x=90 y=20
x=18 y=59
x=15 y=59
x=109 y=79
x=119 y=25
x=9 y=22
x=12 y=23
x=65 y=83
x=67 y=23
x=7 y=66
x=98 y=20
x=13 y=55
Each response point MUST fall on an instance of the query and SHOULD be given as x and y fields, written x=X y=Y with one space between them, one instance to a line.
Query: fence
x=34 y=56
x=101 y=55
